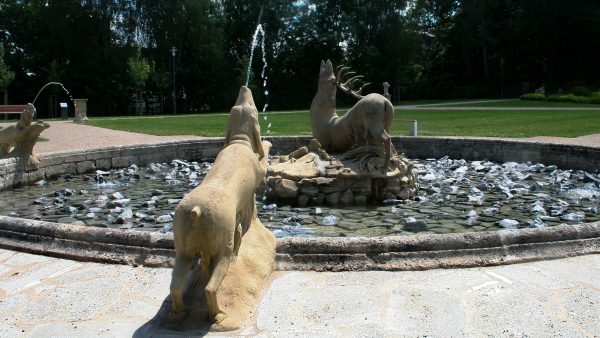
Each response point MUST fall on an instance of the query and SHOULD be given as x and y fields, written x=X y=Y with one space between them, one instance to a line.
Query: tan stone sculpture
x=21 y=138
x=243 y=125
x=367 y=123
x=351 y=159
x=217 y=221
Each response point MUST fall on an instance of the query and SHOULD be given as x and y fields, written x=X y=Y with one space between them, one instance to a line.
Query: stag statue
x=365 y=168
x=367 y=123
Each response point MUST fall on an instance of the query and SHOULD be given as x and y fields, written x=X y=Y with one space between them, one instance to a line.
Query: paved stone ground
x=66 y=135
x=49 y=297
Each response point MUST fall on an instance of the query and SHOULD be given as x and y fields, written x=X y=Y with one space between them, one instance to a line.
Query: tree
x=138 y=69
x=6 y=75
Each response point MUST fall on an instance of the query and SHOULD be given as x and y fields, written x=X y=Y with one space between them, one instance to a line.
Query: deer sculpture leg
x=243 y=220
x=388 y=151
x=220 y=266
x=237 y=239
x=205 y=265
x=180 y=271
x=381 y=136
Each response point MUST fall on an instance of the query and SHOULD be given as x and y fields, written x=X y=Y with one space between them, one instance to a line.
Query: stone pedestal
x=241 y=290
x=249 y=273
x=386 y=93
x=80 y=110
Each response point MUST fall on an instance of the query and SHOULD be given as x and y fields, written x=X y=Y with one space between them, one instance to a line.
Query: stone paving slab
x=50 y=297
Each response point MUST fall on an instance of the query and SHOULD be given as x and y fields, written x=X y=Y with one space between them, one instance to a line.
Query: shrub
x=592 y=97
x=581 y=91
x=595 y=99
x=568 y=98
x=533 y=97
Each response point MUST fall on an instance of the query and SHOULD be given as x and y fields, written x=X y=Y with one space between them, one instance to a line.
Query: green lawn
x=425 y=102
x=527 y=103
x=283 y=123
x=514 y=123
x=501 y=123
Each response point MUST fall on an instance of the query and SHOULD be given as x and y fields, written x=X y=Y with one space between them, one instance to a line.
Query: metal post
x=173 y=51
x=412 y=128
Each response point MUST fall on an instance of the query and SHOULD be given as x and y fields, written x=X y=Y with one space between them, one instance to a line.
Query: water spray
x=259 y=30
x=52 y=83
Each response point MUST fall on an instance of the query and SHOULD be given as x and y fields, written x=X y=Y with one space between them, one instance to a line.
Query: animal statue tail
x=195 y=214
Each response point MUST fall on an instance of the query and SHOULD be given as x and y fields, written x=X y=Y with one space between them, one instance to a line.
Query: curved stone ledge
x=87 y=243
x=416 y=252
x=430 y=251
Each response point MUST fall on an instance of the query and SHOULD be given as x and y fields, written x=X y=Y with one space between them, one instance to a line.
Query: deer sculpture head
x=342 y=78
x=327 y=82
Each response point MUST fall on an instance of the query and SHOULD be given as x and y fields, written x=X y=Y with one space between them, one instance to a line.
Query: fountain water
x=260 y=31
x=53 y=83
x=142 y=199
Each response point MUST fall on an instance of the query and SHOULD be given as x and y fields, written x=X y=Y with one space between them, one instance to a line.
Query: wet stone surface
x=455 y=196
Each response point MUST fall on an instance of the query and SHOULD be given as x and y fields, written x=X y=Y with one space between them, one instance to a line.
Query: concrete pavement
x=49 y=297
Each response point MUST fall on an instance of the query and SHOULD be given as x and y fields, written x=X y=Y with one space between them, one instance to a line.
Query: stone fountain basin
x=416 y=252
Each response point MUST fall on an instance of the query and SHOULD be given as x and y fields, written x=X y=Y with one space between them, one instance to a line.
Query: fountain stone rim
x=415 y=252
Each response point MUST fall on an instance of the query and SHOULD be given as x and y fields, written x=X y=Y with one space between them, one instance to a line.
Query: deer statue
x=367 y=123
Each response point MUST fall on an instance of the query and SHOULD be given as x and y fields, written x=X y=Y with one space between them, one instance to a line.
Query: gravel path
x=66 y=135
x=587 y=140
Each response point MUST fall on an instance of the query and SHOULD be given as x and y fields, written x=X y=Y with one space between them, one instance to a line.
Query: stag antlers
x=346 y=87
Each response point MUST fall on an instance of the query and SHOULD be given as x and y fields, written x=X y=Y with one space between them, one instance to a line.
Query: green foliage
x=423 y=48
x=568 y=98
x=595 y=99
x=161 y=79
x=581 y=91
x=591 y=98
x=6 y=75
x=533 y=97
x=526 y=104
x=138 y=69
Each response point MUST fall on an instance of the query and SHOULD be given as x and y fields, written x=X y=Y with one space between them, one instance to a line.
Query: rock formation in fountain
x=352 y=159
x=217 y=222
x=21 y=138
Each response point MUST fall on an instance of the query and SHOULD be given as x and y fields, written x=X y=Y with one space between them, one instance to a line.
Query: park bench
x=12 y=109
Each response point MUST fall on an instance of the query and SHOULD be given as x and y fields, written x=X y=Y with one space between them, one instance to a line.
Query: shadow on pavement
x=195 y=324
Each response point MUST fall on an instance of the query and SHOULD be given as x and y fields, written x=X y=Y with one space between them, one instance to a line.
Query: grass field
x=526 y=103
x=513 y=123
